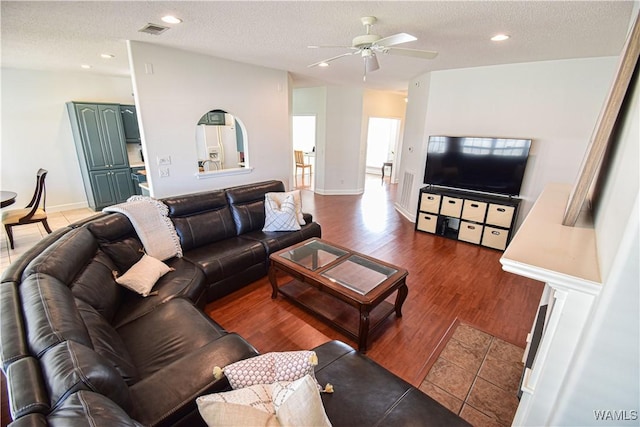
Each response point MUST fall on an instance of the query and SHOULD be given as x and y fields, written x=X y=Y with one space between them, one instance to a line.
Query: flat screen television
x=490 y=165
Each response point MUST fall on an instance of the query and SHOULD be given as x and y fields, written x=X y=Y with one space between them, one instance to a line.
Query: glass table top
x=359 y=274
x=314 y=254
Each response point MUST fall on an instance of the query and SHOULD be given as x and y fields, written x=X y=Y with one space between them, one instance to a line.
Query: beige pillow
x=280 y=216
x=285 y=403
x=299 y=403
x=143 y=275
x=297 y=200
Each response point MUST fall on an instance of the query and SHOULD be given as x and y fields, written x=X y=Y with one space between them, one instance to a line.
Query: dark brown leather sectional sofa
x=78 y=349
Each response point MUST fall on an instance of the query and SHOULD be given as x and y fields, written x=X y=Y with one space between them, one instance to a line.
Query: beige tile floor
x=25 y=236
x=477 y=376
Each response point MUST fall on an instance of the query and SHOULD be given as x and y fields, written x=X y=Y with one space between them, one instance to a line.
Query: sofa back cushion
x=118 y=239
x=247 y=204
x=70 y=367
x=65 y=257
x=201 y=218
x=50 y=314
x=106 y=342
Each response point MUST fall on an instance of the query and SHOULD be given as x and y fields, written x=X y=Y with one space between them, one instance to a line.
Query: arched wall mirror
x=221 y=142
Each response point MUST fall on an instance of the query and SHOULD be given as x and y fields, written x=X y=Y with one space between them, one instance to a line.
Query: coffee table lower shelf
x=337 y=313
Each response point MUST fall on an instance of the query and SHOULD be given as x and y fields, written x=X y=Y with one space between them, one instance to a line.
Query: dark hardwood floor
x=447 y=280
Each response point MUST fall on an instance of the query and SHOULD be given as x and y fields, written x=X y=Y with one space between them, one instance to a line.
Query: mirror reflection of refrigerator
x=213 y=143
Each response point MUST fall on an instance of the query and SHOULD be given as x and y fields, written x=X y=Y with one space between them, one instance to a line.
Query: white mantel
x=565 y=259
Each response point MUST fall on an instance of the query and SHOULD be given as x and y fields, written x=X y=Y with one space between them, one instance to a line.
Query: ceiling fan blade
x=333 y=58
x=415 y=53
x=395 y=39
x=330 y=46
x=371 y=63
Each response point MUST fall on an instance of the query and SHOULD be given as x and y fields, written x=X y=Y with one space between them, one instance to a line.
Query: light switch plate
x=166 y=160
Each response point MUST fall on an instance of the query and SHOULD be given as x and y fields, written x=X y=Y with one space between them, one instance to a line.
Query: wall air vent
x=154 y=29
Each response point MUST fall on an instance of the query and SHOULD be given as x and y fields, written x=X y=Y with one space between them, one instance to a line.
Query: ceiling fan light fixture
x=500 y=37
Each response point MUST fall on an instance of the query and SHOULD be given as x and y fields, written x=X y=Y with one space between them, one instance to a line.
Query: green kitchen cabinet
x=130 y=124
x=111 y=186
x=99 y=138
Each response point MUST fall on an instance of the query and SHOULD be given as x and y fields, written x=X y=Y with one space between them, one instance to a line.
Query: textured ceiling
x=63 y=35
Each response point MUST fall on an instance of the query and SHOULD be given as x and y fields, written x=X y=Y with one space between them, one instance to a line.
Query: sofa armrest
x=168 y=396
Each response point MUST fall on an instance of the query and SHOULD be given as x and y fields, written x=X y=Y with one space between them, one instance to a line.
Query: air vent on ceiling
x=154 y=29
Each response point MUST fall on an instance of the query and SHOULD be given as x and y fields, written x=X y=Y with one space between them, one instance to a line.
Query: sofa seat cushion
x=185 y=281
x=227 y=257
x=273 y=241
x=166 y=334
x=367 y=394
x=176 y=387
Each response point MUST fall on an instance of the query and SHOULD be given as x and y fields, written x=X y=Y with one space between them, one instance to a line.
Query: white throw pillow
x=299 y=403
x=285 y=403
x=221 y=414
x=297 y=199
x=143 y=275
x=257 y=396
x=280 y=216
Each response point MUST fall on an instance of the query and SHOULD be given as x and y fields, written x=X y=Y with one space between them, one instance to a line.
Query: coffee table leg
x=363 y=332
x=403 y=291
x=274 y=282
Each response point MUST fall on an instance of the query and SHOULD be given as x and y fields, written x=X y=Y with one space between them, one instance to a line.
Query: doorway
x=383 y=135
x=304 y=139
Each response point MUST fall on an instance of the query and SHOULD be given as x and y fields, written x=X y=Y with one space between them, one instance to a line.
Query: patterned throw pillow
x=297 y=199
x=280 y=216
x=269 y=368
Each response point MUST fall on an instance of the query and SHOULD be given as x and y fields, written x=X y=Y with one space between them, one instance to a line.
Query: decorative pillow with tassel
x=269 y=368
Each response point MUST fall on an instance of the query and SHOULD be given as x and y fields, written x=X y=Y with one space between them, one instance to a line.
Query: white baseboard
x=67 y=207
x=410 y=216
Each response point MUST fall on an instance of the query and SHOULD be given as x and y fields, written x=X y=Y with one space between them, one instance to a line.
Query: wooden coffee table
x=339 y=286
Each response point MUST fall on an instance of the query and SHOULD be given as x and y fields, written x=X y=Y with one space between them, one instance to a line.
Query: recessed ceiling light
x=107 y=55
x=85 y=66
x=500 y=38
x=323 y=64
x=170 y=19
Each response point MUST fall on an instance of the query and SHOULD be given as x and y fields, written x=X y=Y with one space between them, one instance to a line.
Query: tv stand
x=482 y=219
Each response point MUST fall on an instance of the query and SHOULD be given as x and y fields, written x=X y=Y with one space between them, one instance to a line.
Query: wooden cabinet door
x=122 y=184
x=130 y=123
x=91 y=134
x=113 y=136
x=103 y=193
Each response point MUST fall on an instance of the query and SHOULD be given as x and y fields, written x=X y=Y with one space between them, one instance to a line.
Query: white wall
x=343 y=141
x=556 y=103
x=313 y=101
x=36 y=131
x=342 y=115
x=606 y=374
x=184 y=86
x=378 y=103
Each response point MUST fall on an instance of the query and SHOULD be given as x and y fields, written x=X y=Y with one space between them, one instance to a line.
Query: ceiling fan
x=368 y=45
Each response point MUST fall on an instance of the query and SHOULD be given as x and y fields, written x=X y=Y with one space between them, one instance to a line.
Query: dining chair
x=32 y=213
x=299 y=156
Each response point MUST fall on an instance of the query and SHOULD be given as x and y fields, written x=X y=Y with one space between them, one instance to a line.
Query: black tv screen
x=491 y=165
